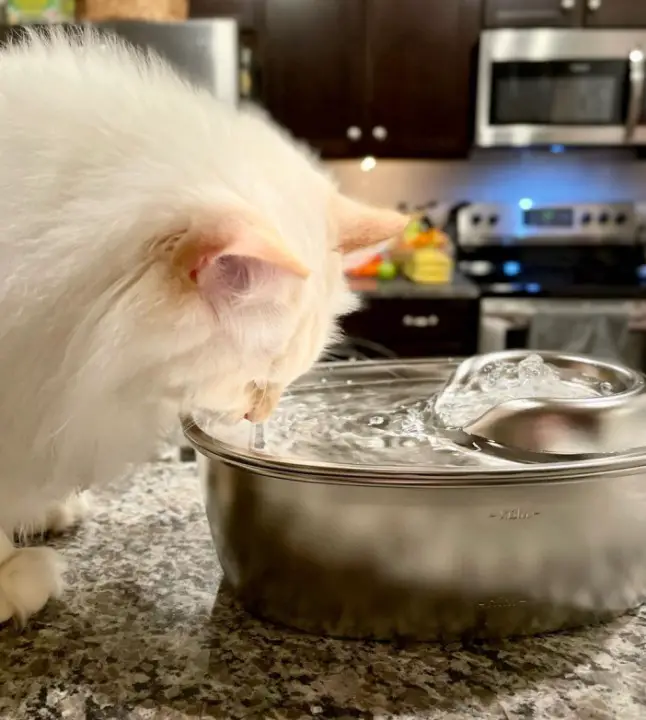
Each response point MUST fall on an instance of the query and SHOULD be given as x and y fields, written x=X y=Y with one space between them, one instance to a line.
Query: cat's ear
x=235 y=240
x=362 y=226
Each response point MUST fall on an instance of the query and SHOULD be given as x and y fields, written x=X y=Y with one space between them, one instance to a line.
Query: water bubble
x=409 y=442
x=373 y=443
x=530 y=368
x=489 y=376
x=502 y=381
x=605 y=388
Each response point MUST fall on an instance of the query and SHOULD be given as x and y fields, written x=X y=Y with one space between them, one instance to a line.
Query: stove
x=557 y=251
x=587 y=261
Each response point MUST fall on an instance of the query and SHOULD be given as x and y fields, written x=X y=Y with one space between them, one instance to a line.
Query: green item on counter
x=413 y=229
x=387 y=270
x=39 y=11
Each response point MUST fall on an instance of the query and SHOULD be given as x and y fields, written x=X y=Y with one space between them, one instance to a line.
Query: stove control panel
x=491 y=224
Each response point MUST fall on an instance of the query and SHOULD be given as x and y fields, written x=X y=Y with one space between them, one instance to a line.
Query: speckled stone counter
x=146 y=631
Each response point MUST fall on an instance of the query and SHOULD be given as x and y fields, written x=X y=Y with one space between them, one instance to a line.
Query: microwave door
x=636 y=126
x=570 y=87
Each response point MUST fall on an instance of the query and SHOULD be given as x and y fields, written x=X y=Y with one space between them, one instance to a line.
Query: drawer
x=417 y=327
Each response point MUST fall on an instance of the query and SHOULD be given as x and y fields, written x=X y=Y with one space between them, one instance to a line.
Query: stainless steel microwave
x=561 y=87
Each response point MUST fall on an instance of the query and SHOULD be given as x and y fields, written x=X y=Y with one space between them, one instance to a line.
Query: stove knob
x=621 y=219
x=586 y=218
x=603 y=218
x=493 y=220
x=475 y=219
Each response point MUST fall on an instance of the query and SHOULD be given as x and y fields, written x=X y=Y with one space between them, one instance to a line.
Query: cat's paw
x=28 y=579
x=67 y=514
x=59 y=518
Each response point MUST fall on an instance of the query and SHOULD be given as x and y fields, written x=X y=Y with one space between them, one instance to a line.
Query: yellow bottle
x=429 y=265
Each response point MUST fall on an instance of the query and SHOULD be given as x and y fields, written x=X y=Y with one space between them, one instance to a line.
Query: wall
x=500 y=176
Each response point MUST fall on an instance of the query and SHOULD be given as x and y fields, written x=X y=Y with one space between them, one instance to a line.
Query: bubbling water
x=402 y=423
x=499 y=382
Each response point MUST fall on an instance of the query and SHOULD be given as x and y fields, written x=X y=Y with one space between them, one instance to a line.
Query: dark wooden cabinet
x=358 y=77
x=415 y=327
x=565 y=13
x=533 y=13
x=247 y=12
x=615 y=13
x=313 y=71
x=419 y=74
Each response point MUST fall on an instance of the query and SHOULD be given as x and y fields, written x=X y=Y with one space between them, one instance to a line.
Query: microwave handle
x=636 y=96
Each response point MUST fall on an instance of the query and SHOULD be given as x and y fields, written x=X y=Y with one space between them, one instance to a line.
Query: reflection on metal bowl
x=426 y=553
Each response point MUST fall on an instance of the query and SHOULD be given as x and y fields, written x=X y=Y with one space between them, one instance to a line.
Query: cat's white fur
x=108 y=164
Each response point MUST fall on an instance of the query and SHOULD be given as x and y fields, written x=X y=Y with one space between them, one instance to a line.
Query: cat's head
x=246 y=282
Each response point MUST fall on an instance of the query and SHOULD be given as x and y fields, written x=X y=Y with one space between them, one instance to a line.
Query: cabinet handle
x=594 y=5
x=420 y=321
x=379 y=133
x=354 y=133
x=568 y=4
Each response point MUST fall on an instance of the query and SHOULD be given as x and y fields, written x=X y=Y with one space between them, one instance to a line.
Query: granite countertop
x=460 y=288
x=146 y=631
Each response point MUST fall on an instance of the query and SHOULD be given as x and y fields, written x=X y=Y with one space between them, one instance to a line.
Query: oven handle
x=636 y=97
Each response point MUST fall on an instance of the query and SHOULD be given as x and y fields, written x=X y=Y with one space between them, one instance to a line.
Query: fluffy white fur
x=159 y=252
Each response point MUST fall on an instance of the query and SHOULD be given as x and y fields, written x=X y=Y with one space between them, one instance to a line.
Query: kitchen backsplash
x=499 y=176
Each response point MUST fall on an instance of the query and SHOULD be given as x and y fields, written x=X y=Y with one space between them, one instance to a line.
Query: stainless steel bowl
x=428 y=553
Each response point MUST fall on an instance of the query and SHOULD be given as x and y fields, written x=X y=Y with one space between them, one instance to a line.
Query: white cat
x=159 y=252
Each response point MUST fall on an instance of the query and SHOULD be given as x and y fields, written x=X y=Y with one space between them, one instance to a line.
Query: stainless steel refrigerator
x=204 y=51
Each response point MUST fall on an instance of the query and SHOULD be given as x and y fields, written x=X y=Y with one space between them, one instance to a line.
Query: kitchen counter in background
x=146 y=631
x=400 y=287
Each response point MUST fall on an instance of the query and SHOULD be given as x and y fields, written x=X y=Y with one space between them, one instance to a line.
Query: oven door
x=505 y=324
x=570 y=87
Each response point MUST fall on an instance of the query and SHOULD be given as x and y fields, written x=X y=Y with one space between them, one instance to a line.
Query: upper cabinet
x=313 y=71
x=565 y=13
x=418 y=76
x=615 y=13
x=533 y=13
x=357 y=77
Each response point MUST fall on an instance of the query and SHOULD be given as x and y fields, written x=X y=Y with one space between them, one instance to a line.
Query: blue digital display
x=533 y=288
x=641 y=272
x=511 y=268
x=549 y=217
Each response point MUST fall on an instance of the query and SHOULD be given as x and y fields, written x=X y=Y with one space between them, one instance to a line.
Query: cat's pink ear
x=235 y=235
x=362 y=226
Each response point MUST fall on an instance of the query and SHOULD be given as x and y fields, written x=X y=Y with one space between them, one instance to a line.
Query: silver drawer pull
x=379 y=133
x=354 y=133
x=420 y=321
